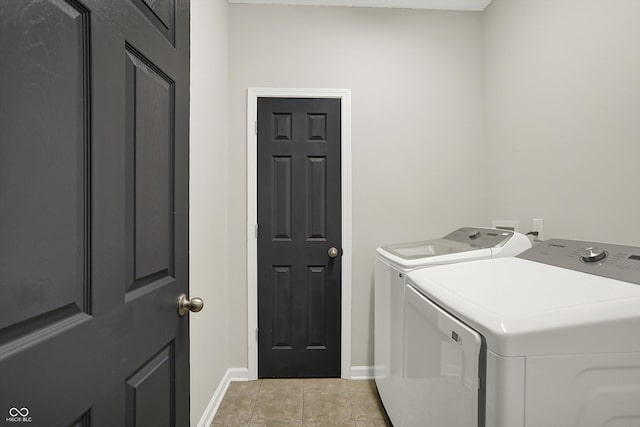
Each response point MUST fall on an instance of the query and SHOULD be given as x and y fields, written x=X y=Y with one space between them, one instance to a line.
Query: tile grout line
x=353 y=415
x=302 y=412
x=255 y=403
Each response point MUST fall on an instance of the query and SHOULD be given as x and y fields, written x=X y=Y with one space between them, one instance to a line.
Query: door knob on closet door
x=185 y=304
x=332 y=252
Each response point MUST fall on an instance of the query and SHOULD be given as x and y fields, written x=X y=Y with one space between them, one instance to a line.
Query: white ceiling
x=475 y=5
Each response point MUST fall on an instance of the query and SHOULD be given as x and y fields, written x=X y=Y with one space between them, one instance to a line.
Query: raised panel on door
x=43 y=207
x=316 y=197
x=316 y=308
x=283 y=307
x=299 y=216
x=317 y=127
x=150 y=174
x=150 y=394
x=83 y=421
x=282 y=127
x=281 y=198
x=161 y=14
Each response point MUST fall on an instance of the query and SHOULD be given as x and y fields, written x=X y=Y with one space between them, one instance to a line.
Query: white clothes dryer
x=392 y=264
x=548 y=338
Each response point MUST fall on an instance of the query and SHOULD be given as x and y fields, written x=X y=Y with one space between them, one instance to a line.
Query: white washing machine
x=550 y=338
x=392 y=264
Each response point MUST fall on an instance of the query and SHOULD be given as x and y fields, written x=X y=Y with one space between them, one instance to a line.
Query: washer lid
x=412 y=255
x=426 y=249
x=524 y=307
x=463 y=244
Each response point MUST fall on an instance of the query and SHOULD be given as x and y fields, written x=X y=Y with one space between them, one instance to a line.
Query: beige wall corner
x=209 y=274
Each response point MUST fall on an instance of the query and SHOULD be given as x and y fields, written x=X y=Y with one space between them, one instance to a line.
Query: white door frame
x=253 y=94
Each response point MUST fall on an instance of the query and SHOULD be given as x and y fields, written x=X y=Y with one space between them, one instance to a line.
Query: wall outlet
x=537 y=224
x=506 y=224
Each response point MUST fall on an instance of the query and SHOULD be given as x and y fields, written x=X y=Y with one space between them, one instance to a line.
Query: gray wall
x=529 y=109
x=417 y=130
x=563 y=115
x=209 y=190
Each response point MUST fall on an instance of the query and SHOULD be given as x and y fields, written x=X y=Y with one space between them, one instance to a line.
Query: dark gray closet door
x=299 y=218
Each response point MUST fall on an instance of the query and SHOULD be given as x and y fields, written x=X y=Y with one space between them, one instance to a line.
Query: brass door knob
x=185 y=304
x=332 y=252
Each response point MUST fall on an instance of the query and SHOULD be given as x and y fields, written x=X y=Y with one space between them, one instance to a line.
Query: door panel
x=93 y=213
x=316 y=198
x=281 y=203
x=283 y=309
x=150 y=163
x=150 y=393
x=316 y=308
x=299 y=216
x=161 y=14
x=45 y=69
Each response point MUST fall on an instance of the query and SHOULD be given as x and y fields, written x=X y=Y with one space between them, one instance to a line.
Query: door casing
x=253 y=93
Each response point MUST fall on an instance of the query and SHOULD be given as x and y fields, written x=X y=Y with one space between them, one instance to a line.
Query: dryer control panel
x=617 y=262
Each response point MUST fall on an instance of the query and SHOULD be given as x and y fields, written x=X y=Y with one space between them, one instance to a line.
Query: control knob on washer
x=592 y=254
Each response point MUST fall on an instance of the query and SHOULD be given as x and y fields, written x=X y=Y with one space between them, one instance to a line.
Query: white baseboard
x=232 y=374
x=362 y=373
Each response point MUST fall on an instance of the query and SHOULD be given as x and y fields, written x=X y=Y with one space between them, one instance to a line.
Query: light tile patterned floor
x=323 y=402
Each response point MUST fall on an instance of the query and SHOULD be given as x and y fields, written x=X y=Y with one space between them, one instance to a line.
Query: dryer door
x=441 y=378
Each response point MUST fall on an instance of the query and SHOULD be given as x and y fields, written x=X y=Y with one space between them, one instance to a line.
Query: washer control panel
x=617 y=262
x=592 y=254
x=480 y=237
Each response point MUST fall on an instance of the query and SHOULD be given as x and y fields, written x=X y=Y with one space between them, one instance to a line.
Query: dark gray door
x=299 y=218
x=93 y=212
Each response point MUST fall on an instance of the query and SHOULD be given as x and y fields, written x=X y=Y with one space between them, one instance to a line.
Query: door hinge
x=256 y=231
x=256 y=127
x=257 y=333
